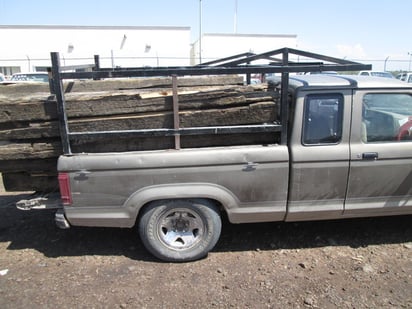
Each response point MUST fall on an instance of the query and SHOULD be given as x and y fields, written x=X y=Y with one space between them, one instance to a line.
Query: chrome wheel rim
x=180 y=228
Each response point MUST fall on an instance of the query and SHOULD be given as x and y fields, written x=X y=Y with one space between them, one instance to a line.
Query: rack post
x=61 y=104
x=284 y=105
x=176 y=120
x=96 y=66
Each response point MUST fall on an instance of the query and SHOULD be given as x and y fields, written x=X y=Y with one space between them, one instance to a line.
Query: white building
x=27 y=48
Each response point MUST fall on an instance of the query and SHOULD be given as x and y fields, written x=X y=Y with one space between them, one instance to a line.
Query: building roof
x=77 y=27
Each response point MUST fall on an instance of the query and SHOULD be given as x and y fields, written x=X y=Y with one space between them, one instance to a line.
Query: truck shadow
x=353 y=233
x=36 y=230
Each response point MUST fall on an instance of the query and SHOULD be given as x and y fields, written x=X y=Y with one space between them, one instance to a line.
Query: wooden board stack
x=29 y=135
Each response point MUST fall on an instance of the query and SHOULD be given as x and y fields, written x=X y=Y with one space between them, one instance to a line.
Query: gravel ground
x=364 y=263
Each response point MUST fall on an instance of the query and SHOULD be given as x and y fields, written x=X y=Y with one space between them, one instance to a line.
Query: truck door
x=319 y=147
x=380 y=178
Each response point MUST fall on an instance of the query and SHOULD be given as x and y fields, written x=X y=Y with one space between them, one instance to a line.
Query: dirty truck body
x=358 y=164
x=343 y=149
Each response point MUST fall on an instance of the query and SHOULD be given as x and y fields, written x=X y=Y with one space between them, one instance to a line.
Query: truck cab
x=350 y=148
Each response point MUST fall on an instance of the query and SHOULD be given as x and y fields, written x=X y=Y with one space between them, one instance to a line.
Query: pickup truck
x=349 y=155
x=343 y=150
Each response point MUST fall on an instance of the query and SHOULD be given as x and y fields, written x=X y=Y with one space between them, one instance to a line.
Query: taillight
x=65 y=192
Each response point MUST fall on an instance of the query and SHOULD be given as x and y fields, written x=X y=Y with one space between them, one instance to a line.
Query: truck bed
x=251 y=181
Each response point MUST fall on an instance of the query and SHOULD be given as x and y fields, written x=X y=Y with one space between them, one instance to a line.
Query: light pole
x=124 y=38
x=235 y=21
x=123 y=41
x=28 y=60
x=384 y=66
x=410 y=57
x=200 y=31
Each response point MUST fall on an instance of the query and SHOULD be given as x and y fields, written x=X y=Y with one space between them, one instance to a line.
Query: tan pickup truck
x=349 y=155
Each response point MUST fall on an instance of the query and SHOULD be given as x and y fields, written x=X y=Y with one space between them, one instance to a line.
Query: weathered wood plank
x=32 y=165
x=39 y=107
x=22 y=151
x=255 y=113
x=23 y=181
x=118 y=84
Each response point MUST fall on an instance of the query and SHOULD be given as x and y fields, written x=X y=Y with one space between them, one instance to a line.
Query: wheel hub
x=180 y=225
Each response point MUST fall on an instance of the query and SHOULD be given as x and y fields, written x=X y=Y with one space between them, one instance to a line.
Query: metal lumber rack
x=237 y=64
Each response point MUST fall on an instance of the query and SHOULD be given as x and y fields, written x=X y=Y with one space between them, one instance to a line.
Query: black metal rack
x=237 y=64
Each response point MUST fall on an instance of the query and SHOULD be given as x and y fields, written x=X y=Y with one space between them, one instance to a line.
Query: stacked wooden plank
x=29 y=135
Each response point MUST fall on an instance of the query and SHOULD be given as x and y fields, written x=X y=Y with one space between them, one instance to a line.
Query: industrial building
x=27 y=48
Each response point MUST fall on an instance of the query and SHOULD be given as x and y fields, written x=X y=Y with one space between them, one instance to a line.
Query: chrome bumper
x=61 y=220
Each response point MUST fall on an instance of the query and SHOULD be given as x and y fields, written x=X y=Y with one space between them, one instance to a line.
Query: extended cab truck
x=342 y=148
x=349 y=155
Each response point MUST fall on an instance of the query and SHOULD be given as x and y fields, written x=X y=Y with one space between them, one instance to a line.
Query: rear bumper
x=61 y=220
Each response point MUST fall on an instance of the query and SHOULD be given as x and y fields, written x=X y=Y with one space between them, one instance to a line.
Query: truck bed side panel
x=250 y=182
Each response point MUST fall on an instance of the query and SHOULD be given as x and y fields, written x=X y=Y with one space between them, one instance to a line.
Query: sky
x=359 y=30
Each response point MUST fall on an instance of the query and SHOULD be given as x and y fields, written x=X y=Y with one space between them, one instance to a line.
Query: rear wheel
x=180 y=230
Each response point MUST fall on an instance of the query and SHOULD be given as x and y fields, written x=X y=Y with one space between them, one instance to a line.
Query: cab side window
x=387 y=117
x=322 y=123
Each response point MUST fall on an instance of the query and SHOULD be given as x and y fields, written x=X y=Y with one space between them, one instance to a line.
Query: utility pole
x=410 y=56
x=200 y=31
x=384 y=66
x=235 y=19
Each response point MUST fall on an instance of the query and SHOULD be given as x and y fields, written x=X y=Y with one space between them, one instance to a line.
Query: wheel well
x=147 y=204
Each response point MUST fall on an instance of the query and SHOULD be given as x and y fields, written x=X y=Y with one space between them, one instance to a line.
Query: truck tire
x=180 y=230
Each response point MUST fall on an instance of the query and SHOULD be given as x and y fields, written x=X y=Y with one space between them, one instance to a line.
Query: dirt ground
x=365 y=263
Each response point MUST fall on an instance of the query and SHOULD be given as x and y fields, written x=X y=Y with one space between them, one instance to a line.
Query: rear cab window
x=323 y=115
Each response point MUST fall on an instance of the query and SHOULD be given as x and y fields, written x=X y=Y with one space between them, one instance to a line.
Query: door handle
x=370 y=156
x=82 y=175
x=250 y=166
